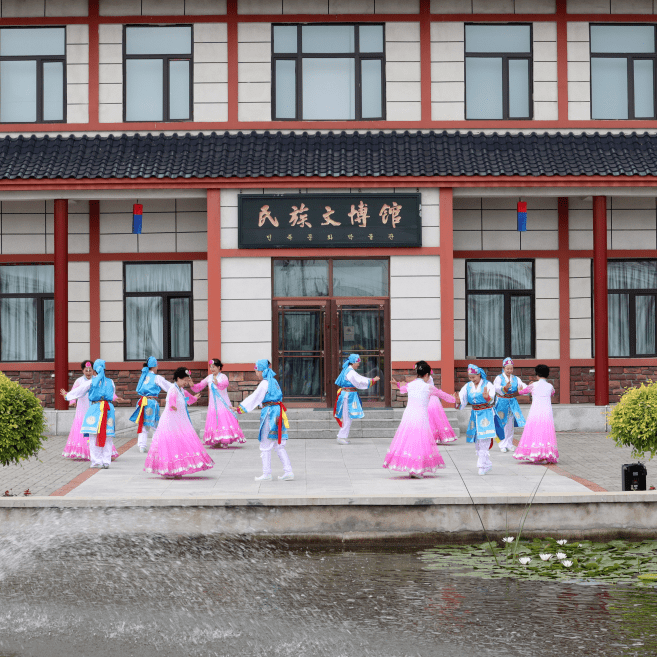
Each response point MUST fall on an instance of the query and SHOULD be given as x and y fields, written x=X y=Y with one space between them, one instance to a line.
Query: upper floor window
x=498 y=71
x=158 y=310
x=158 y=73
x=499 y=303
x=328 y=72
x=32 y=74
x=623 y=71
x=632 y=301
x=27 y=313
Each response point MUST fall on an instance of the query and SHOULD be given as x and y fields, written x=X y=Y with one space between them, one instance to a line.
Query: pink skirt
x=222 y=429
x=179 y=453
x=413 y=450
x=538 y=442
x=77 y=445
x=440 y=426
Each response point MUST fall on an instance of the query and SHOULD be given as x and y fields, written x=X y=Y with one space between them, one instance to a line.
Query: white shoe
x=264 y=477
x=504 y=450
x=143 y=450
x=343 y=441
x=483 y=471
x=105 y=466
x=512 y=448
x=288 y=476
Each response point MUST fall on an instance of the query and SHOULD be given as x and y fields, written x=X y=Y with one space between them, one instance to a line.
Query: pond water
x=85 y=596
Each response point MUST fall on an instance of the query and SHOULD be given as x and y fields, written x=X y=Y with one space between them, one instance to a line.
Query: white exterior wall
x=169 y=225
x=403 y=86
x=77 y=74
x=492 y=6
x=544 y=37
x=632 y=222
x=210 y=72
x=546 y=271
x=414 y=308
x=459 y=308
x=111 y=310
x=327 y=7
x=78 y=311
x=579 y=71
x=254 y=71
x=41 y=8
x=110 y=73
x=491 y=224
x=245 y=309
x=580 y=308
x=162 y=7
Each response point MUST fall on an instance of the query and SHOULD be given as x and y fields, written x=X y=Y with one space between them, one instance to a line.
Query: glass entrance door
x=301 y=329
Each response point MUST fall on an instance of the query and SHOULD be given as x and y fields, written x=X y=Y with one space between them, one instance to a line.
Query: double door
x=312 y=339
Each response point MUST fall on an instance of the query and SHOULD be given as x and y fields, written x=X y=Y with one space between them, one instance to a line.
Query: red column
x=61 y=301
x=214 y=273
x=600 y=300
x=447 y=290
x=564 y=302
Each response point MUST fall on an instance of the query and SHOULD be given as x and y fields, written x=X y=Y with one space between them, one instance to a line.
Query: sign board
x=329 y=221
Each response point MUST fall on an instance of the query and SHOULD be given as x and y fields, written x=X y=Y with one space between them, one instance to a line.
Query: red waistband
x=480 y=407
x=506 y=396
x=271 y=403
x=349 y=389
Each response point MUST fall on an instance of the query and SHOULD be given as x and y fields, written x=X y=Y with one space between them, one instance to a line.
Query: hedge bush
x=633 y=420
x=22 y=422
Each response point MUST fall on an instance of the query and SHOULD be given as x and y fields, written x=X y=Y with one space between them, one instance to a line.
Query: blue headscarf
x=151 y=362
x=267 y=374
x=99 y=368
x=474 y=369
x=353 y=358
x=101 y=388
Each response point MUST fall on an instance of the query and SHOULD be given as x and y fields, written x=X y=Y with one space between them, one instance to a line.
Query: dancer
x=413 y=449
x=273 y=420
x=221 y=425
x=539 y=439
x=98 y=424
x=147 y=413
x=176 y=450
x=77 y=445
x=482 y=427
x=507 y=409
x=347 y=403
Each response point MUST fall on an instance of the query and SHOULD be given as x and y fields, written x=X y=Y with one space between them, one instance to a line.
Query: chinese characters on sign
x=329 y=220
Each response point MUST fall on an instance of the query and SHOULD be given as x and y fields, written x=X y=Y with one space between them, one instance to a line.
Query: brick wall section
x=526 y=374
x=399 y=401
x=582 y=382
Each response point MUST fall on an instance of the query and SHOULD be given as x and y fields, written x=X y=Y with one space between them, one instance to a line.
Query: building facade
x=329 y=176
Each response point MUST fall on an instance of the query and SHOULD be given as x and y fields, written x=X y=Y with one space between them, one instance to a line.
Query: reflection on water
x=143 y=596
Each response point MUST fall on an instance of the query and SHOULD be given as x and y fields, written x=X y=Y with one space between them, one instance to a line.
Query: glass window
x=157 y=71
x=360 y=278
x=32 y=74
x=498 y=63
x=632 y=294
x=500 y=308
x=27 y=312
x=328 y=72
x=158 y=311
x=301 y=278
x=623 y=71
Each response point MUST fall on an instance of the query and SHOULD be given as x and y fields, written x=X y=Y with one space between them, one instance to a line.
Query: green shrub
x=633 y=420
x=22 y=422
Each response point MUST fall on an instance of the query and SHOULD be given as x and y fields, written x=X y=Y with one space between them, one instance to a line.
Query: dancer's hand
x=507 y=387
x=486 y=394
x=121 y=400
x=173 y=408
x=375 y=379
x=63 y=393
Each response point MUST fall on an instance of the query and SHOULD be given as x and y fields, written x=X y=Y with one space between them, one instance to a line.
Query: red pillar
x=446 y=206
x=214 y=273
x=61 y=301
x=600 y=322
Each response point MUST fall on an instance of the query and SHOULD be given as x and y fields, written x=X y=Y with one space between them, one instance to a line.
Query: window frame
x=40 y=59
x=166 y=297
x=630 y=57
x=507 y=308
x=632 y=294
x=40 y=297
x=166 y=73
x=505 y=57
x=356 y=55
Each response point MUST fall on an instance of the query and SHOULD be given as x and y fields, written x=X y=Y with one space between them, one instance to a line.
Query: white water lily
x=562 y=541
x=581 y=545
x=567 y=564
x=508 y=539
x=545 y=557
x=524 y=560
x=561 y=555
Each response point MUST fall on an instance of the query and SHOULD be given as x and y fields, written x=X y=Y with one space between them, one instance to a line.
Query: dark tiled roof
x=240 y=155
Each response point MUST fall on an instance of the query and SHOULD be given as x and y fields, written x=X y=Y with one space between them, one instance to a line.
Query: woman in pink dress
x=176 y=449
x=77 y=445
x=440 y=426
x=539 y=439
x=413 y=449
x=221 y=425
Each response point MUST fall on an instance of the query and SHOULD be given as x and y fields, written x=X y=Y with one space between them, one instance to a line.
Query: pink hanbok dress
x=413 y=449
x=440 y=426
x=176 y=449
x=221 y=425
x=77 y=445
x=539 y=439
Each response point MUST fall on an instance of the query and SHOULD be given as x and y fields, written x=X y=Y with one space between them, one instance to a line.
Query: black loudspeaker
x=634 y=476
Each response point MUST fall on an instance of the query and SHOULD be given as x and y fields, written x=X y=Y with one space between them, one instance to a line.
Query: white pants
x=483 y=460
x=142 y=438
x=508 y=434
x=100 y=455
x=266 y=447
x=346 y=419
